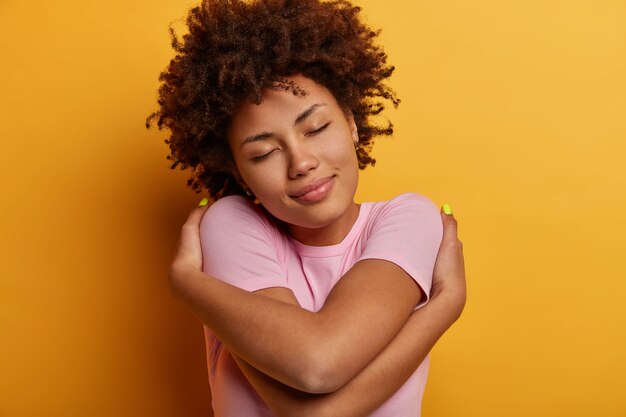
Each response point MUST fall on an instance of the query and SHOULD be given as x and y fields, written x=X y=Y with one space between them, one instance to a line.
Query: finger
x=450 y=225
x=195 y=216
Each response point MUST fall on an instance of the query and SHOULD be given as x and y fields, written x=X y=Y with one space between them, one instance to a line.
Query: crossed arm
x=360 y=311
x=365 y=392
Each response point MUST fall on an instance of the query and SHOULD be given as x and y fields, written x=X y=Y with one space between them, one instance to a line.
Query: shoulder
x=407 y=231
x=413 y=198
x=242 y=245
x=410 y=207
x=407 y=220
x=403 y=220
x=233 y=209
x=229 y=207
x=233 y=215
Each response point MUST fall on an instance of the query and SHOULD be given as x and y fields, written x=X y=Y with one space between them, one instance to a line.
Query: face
x=296 y=155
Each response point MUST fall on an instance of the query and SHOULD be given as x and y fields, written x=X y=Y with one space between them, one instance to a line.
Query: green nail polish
x=447 y=209
x=203 y=202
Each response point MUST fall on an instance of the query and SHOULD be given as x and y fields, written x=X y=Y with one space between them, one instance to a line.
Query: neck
x=330 y=234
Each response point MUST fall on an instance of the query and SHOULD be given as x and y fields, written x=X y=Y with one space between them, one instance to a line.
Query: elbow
x=325 y=361
x=322 y=373
x=316 y=382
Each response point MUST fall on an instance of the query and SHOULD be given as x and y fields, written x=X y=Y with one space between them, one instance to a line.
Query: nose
x=302 y=161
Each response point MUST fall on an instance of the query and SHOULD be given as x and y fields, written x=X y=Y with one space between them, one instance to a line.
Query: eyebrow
x=301 y=118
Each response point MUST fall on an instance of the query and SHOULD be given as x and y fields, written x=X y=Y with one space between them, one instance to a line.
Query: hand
x=189 y=253
x=449 y=271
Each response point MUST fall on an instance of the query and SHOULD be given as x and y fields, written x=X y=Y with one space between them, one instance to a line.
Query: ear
x=352 y=125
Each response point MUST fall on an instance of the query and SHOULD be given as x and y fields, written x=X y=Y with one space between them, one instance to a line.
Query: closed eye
x=261 y=157
x=316 y=131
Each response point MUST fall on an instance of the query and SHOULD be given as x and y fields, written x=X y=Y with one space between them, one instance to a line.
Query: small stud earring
x=252 y=197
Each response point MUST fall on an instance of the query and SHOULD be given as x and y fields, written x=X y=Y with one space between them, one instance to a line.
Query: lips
x=315 y=191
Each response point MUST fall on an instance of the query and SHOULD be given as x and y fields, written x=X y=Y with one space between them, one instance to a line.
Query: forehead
x=279 y=107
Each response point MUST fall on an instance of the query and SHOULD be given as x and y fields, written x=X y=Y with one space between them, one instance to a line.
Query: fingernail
x=447 y=209
x=203 y=202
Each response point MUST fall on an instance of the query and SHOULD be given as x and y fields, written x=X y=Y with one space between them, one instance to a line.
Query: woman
x=313 y=304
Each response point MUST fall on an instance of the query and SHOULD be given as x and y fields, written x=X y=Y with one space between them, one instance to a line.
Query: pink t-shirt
x=245 y=247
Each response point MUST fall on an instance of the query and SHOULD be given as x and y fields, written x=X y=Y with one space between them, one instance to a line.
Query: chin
x=318 y=217
x=311 y=216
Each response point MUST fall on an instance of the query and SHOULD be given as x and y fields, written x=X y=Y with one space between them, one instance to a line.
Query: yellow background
x=513 y=112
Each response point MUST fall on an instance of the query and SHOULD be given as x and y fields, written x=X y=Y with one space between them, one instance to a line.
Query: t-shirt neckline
x=337 y=249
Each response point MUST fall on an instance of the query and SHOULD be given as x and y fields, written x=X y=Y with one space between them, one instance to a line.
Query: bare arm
x=367 y=308
x=364 y=393
x=395 y=364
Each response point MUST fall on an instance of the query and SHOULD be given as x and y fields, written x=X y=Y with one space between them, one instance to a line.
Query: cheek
x=340 y=148
x=264 y=183
x=348 y=154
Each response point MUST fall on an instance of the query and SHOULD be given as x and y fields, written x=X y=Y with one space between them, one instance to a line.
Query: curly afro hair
x=235 y=49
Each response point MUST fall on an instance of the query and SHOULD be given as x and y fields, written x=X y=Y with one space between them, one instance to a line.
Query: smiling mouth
x=316 y=191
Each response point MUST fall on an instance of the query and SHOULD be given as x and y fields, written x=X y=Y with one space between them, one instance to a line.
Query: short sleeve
x=407 y=231
x=240 y=245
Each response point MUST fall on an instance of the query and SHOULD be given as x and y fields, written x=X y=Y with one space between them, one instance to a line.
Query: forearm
x=366 y=308
x=248 y=324
x=378 y=381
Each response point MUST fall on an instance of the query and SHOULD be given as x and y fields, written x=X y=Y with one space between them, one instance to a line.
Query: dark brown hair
x=235 y=49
